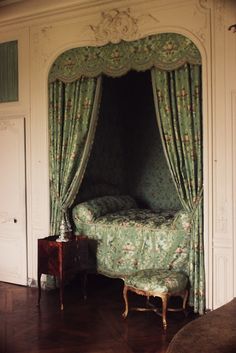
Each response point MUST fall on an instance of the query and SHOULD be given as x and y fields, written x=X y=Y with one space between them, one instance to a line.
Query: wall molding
x=223 y=267
x=220 y=14
x=7 y=124
x=233 y=110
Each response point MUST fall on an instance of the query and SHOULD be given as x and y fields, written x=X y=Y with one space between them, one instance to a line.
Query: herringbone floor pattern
x=92 y=326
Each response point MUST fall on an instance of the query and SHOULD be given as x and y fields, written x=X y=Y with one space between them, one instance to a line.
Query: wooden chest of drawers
x=62 y=260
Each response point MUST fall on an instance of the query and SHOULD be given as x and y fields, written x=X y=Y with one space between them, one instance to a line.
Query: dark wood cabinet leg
x=62 y=293
x=39 y=288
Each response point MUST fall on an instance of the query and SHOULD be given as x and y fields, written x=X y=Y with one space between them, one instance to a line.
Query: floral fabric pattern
x=129 y=240
x=165 y=51
x=72 y=120
x=161 y=281
x=91 y=210
x=179 y=113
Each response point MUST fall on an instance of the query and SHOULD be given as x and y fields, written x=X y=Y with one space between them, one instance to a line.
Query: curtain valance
x=167 y=51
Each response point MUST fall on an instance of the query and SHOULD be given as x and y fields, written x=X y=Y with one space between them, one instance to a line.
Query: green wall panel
x=9 y=71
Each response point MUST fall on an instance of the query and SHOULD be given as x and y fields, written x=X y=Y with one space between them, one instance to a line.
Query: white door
x=13 y=255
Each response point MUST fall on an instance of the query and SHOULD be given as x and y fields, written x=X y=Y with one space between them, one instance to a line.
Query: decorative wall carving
x=45 y=32
x=220 y=13
x=6 y=124
x=117 y=25
x=203 y=18
x=201 y=32
x=221 y=224
x=42 y=36
x=205 y=4
x=5 y=217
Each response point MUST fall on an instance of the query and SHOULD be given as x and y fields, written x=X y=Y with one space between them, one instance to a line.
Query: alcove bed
x=109 y=159
x=127 y=203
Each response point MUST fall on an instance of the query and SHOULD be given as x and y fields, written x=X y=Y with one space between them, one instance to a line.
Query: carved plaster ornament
x=5 y=218
x=4 y=125
x=200 y=31
x=116 y=25
x=45 y=32
x=205 y=4
x=220 y=13
x=42 y=40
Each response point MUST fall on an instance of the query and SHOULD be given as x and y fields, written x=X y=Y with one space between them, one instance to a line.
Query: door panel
x=13 y=256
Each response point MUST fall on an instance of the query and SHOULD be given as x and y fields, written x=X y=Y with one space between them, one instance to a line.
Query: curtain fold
x=178 y=103
x=73 y=111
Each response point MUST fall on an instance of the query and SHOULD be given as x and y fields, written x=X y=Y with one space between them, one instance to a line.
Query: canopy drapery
x=72 y=119
x=74 y=86
x=166 y=51
x=177 y=97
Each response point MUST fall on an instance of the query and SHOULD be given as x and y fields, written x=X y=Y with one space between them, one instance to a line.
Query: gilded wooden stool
x=157 y=283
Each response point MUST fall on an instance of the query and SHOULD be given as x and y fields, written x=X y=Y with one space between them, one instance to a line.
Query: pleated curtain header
x=167 y=51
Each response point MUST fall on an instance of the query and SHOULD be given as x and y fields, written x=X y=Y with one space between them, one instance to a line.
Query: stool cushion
x=160 y=281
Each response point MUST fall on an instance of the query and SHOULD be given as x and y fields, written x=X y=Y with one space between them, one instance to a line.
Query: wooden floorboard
x=91 y=326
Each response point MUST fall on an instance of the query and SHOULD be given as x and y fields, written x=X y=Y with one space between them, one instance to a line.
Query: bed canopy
x=75 y=82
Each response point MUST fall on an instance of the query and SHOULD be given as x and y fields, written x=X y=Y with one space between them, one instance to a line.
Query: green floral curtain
x=73 y=110
x=178 y=103
x=167 y=51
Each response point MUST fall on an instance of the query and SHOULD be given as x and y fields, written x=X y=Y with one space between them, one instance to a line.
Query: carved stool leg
x=164 y=309
x=185 y=297
x=125 y=313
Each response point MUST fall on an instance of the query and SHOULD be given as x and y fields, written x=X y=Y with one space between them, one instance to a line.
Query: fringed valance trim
x=166 y=51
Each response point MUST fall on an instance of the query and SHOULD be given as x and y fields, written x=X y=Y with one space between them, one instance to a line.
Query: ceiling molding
x=28 y=11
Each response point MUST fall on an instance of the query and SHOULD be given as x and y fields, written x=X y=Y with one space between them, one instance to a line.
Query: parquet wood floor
x=92 y=326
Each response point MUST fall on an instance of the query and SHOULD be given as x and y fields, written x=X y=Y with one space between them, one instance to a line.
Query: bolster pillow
x=90 y=210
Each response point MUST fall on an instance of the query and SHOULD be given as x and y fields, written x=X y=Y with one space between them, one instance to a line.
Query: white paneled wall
x=223 y=76
x=47 y=29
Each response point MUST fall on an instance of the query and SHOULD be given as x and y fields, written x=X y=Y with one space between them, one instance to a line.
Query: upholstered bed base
x=125 y=239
